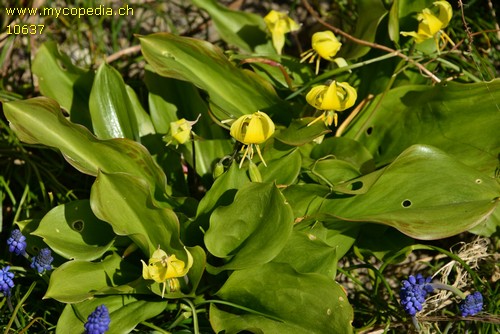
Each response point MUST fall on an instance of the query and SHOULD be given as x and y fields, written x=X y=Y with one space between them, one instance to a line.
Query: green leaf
x=39 y=121
x=110 y=108
x=331 y=171
x=74 y=232
x=345 y=149
x=299 y=133
x=303 y=303
x=233 y=91
x=125 y=312
x=306 y=253
x=144 y=124
x=282 y=171
x=124 y=201
x=253 y=229
x=243 y=29
x=66 y=83
x=424 y=193
x=371 y=13
x=461 y=119
x=78 y=280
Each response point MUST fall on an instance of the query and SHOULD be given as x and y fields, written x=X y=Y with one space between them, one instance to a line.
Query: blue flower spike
x=6 y=281
x=413 y=293
x=98 y=321
x=472 y=304
x=17 y=242
x=43 y=261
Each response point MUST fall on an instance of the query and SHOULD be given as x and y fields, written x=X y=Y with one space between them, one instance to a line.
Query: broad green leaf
x=110 y=108
x=294 y=302
x=305 y=199
x=424 y=193
x=461 y=119
x=125 y=312
x=78 y=280
x=345 y=149
x=332 y=171
x=39 y=121
x=253 y=229
x=306 y=253
x=124 y=201
x=173 y=99
x=66 y=83
x=144 y=124
x=283 y=170
x=299 y=133
x=371 y=13
x=233 y=91
x=243 y=29
x=74 y=232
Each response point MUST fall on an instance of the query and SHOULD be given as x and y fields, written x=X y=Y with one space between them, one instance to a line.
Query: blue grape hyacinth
x=98 y=321
x=17 y=242
x=413 y=293
x=6 y=281
x=43 y=261
x=472 y=304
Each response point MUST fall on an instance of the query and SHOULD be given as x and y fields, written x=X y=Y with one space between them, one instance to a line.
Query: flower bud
x=218 y=170
x=252 y=129
x=254 y=172
x=325 y=44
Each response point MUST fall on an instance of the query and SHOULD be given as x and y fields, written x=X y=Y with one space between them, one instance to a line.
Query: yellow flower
x=166 y=269
x=279 y=24
x=324 y=45
x=180 y=131
x=430 y=24
x=337 y=96
x=252 y=130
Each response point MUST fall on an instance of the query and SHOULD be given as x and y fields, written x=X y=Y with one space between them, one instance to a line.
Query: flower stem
x=447 y=287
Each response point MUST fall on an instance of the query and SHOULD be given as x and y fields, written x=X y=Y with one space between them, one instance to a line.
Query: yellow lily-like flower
x=279 y=24
x=337 y=96
x=430 y=24
x=180 y=131
x=252 y=130
x=165 y=269
x=324 y=45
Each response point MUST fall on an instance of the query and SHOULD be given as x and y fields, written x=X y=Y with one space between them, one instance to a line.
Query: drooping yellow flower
x=166 y=269
x=252 y=130
x=324 y=45
x=337 y=96
x=180 y=131
x=430 y=25
x=279 y=24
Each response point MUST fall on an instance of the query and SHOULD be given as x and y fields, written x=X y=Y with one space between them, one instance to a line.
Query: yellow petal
x=252 y=129
x=325 y=44
x=445 y=12
x=315 y=96
x=279 y=24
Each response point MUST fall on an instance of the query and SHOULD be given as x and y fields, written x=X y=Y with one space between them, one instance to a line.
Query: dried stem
x=369 y=44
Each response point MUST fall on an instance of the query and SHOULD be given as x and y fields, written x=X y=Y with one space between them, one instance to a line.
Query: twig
x=128 y=51
x=369 y=44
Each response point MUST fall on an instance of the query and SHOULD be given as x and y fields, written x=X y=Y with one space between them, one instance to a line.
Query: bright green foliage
x=410 y=160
